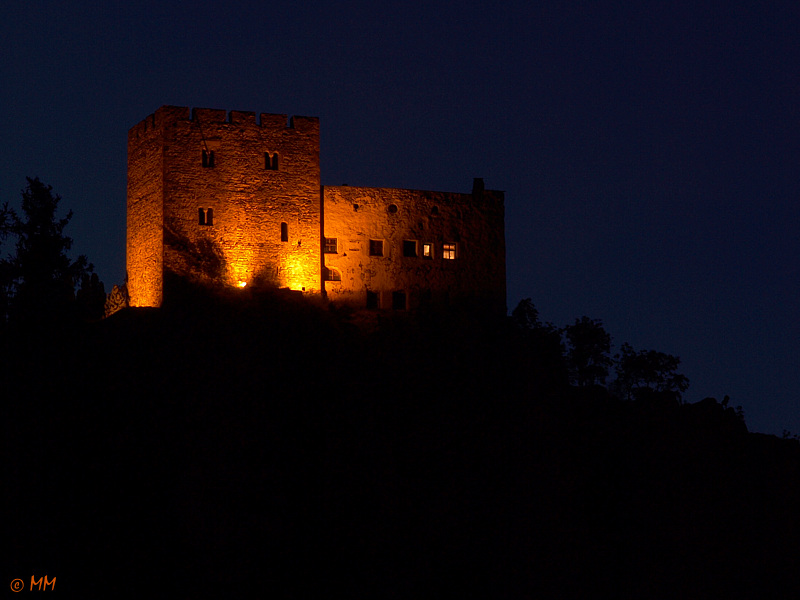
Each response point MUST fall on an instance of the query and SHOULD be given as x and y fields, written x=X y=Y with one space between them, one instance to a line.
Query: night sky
x=649 y=150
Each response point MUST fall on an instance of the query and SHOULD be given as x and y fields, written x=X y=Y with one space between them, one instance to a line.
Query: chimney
x=477 y=187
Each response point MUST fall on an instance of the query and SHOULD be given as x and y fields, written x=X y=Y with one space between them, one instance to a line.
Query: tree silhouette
x=5 y=221
x=588 y=351
x=541 y=344
x=39 y=279
x=91 y=298
x=6 y=271
x=639 y=373
x=526 y=315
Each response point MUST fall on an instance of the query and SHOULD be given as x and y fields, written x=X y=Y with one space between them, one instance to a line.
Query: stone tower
x=223 y=197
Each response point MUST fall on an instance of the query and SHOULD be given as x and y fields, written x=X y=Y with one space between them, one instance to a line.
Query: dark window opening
x=393 y=208
x=435 y=210
x=372 y=299
x=330 y=246
x=332 y=275
x=208 y=158
x=284 y=232
x=399 y=300
x=376 y=247
x=205 y=216
x=409 y=248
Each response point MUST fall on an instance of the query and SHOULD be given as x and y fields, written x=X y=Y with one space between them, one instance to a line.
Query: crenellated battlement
x=157 y=121
x=142 y=128
x=215 y=116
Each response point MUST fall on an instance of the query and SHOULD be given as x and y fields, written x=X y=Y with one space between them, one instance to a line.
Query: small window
x=271 y=161
x=449 y=251
x=330 y=246
x=208 y=158
x=427 y=251
x=409 y=248
x=332 y=275
x=376 y=247
x=372 y=299
x=284 y=232
x=399 y=300
x=205 y=216
x=393 y=208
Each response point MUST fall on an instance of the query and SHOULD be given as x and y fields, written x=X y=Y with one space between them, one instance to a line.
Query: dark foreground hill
x=269 y=447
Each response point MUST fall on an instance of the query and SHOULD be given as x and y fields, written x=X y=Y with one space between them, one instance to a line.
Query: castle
x=233 y=200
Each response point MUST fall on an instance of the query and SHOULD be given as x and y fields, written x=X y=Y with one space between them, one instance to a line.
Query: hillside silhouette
x=259 y=442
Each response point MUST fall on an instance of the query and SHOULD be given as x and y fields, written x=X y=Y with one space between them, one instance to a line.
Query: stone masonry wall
x=404 y=222
x=263 y=226
x=249 y=201
x=144 y=243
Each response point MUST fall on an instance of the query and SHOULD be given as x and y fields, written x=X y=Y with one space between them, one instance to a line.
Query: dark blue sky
x=649 y=152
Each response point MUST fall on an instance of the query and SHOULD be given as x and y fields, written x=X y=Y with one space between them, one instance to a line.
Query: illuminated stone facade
x=233 y=200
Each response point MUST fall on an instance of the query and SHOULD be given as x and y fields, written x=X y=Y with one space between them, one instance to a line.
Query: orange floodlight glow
x=240 y=259
x=299 y=270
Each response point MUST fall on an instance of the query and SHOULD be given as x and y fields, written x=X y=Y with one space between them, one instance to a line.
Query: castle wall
x=250 y=202
x=145 y=217
x=436 y=247
x=239 y=198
